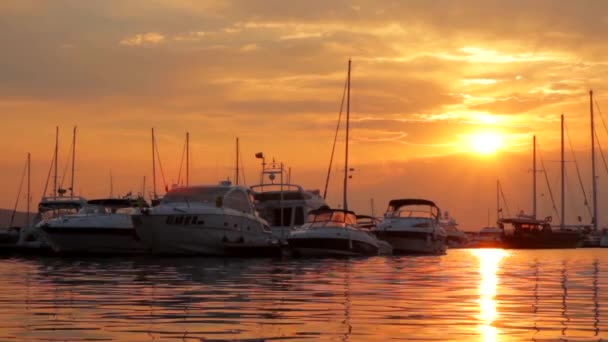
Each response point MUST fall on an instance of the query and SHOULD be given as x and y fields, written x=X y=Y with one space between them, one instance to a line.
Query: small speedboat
x=412 y=226
x=332 y=232
x=103 y=226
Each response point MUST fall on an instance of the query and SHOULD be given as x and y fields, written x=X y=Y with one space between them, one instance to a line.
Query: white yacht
x=282 y=204
x=455 y=237
x=32 y=237
x=332 y=232
x=103 y=226
x=206 y=220
x=412 y=226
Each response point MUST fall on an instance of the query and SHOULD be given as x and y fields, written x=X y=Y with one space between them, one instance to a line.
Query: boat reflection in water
x=489 y=260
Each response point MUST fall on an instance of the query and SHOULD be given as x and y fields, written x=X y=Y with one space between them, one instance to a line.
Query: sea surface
x=466 y=295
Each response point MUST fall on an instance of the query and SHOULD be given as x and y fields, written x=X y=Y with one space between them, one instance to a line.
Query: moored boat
x=332 y=232
x=412 y=226
x=103 y=226
x=206 y=220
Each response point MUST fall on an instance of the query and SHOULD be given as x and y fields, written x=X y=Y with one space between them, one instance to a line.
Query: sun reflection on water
x=489 y=260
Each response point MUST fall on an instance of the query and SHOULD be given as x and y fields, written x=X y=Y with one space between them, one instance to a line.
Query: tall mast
x=55 y=162
x=534 y=177
x=345 y=202
x=29 y=197
x=563 y=162
x=593 y=177
x=153 y=166
x=497 y=200
x=187 y=158
x=73 y=161
x=237 y=161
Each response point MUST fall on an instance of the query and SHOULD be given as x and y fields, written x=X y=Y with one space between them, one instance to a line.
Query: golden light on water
x=489 y=260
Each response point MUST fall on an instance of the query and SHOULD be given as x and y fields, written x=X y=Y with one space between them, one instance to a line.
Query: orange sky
x=426 y=76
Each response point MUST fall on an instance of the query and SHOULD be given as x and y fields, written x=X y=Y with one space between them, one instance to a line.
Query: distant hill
x=20 y=217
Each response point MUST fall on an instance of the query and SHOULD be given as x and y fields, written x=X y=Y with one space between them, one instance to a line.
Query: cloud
x=150 y=38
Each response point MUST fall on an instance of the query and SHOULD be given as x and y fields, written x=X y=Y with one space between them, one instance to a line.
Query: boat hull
x=405 y=242
x=204 y=234
x=93 y=240
x=542 y=240
x=330 y=242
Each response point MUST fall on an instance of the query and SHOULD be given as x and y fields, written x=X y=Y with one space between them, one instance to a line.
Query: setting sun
x=485 y=142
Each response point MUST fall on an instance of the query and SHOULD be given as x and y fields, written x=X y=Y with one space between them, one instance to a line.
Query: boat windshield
x=331 y=217
x=418 y=211
x=196 y=194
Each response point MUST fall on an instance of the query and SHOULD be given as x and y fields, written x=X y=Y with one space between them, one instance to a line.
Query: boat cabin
x=285 y=205
x=51 y=207
x=330 y=217
x=419 y=208
x=113 y=206
x=222 y=196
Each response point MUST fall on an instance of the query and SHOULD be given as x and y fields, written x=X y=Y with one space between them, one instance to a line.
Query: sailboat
x=9 y=236
x=529 y=232
x=335 y=232
x=56 y=205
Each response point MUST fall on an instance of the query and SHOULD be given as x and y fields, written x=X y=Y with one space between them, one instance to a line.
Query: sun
x=485 y=142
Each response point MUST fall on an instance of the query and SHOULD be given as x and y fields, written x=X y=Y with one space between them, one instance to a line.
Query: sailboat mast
x=73 y=161
x=563 y=162
x=29 y=190
x=56 y=161
x=237 y=162
x=497 y=200
x=593 y=177
x=187 y=158
x=345 y=202
x=153 y=166
x=534 y=177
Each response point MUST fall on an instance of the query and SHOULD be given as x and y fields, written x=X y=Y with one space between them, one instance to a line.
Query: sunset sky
x=446 y=95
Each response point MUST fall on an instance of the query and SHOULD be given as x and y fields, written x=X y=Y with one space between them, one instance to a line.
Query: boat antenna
x=593 y=177
x=563 y=171
x=181 y=162
x=345 y=201
x=56 y=158
x=153 y=166
x=187 y=158
x=534 y=176
x=29 y=190
x=73 y=161
x=333 y=149
x=236 y=177
x=111 y=185
x=23 y=174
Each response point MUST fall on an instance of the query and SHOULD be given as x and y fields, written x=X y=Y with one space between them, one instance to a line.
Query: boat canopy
x=325 y=215
x=204 y=194
x=61 y=202
x=417 y=208
x=396 y=203
x=233 y=197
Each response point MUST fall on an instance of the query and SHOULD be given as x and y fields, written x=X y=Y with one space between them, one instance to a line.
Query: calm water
x=476 y=295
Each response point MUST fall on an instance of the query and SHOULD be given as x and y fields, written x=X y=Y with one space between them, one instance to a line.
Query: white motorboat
x=335 y=232
x=332 y=232
x=103 y=226
x=412 y=226
x=49 y=208
x=282 y=204
x=455 y=237
x=206 y=220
